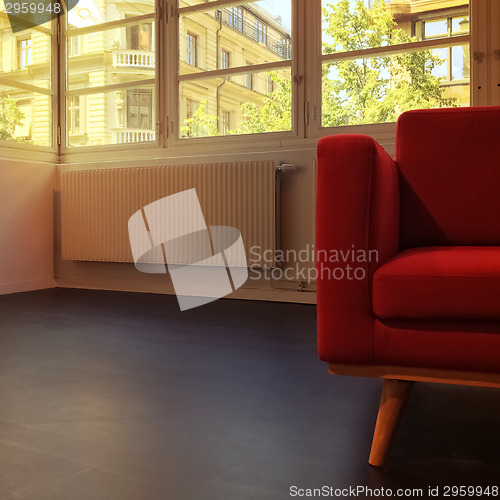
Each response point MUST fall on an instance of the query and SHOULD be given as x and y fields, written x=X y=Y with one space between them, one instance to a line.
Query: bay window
x=160 y=74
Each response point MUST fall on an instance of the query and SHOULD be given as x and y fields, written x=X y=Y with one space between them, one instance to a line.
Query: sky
x=279 y=8
x=283 y=8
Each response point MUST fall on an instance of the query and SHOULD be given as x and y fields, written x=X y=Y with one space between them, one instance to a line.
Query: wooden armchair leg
x=395 y=394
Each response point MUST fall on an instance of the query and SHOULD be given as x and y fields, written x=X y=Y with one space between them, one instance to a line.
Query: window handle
x=478 y=56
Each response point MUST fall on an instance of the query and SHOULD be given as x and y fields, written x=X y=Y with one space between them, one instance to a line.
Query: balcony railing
x=128 y=58
x=129 y=136
x=279 y=45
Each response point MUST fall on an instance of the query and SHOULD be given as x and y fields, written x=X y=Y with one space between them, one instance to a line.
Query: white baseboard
x=27 y=286
x=269 y=294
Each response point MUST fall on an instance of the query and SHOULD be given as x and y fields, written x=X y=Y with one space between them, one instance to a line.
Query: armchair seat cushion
x=441 y=283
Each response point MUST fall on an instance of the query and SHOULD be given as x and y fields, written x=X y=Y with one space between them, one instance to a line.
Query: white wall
x=297 y=205
x=26 y=225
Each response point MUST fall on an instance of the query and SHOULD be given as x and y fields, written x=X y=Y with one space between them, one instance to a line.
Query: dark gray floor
x=112 y=395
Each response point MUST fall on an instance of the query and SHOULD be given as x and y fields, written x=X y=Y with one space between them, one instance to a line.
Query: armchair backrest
x=449 y=165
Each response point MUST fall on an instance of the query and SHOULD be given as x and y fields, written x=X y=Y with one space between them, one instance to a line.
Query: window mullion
x=170 y=63
x=59 y=98
x=313 y=96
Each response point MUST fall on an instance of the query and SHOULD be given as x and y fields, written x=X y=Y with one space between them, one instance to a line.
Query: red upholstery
x=432 y=307
x=439 y=283
x=357 y=207
x=440 y=345
x=449 y=162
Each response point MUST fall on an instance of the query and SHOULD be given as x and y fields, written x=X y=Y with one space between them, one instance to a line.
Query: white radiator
x=97 y=204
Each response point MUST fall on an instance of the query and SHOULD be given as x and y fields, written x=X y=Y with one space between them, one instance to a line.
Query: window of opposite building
x=74 y=115
x=226 y=122
x=24 y=51
x=236 y=17
x=225 y=61
x=260 y=31
x=191 y=49
x=453 y=67
x=139 y=109
x=73 y=46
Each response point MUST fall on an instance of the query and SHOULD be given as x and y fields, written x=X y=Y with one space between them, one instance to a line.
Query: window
x=191 y=49
x=402 y=58
x=225 y=122
x=74 y=115
x=236 y=18
x=73 y=46
x=192 y=106
x=224 y=59
x=381 y=81
x=270 y=84
x=192 y=123
x=139 y=109
x=27 y=96
x=254 y=36
x=285 y=48
x=23 y=52
x=139 y=37
x=111 y=74
x=454 y=62
x=249 y=78
x=260 y=32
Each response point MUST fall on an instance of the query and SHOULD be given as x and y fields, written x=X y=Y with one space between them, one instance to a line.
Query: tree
x=365 y=90
x=376 y=89
x=355 y=91
x=275 y=114
x=10 y=117
x=200 y=124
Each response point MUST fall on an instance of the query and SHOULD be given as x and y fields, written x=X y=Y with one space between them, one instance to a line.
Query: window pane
x=122 y=116
x=26 y=116
x=94 y=12
x=460 y=25
x=25 y=56
x=436 y=28
x=219 y=106
x=460 y=62
x=356 y=25
x=441 y=66
x=112 y=56
x=256 y=30
x=377 y=90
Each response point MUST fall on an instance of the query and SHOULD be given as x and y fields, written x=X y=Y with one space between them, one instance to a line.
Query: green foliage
x=275 y=113
x=357 y=91
x=200 y=124
x=374 y=90
x=10 y=117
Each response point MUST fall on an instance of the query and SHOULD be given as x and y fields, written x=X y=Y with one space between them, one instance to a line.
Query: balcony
x=280 y=45
x=128 y=58
x=129 y=136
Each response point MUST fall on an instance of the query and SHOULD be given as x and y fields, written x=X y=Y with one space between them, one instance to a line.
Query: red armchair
x=408 y=256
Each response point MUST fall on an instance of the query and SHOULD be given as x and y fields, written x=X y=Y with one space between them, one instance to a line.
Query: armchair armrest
x=357 y=229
